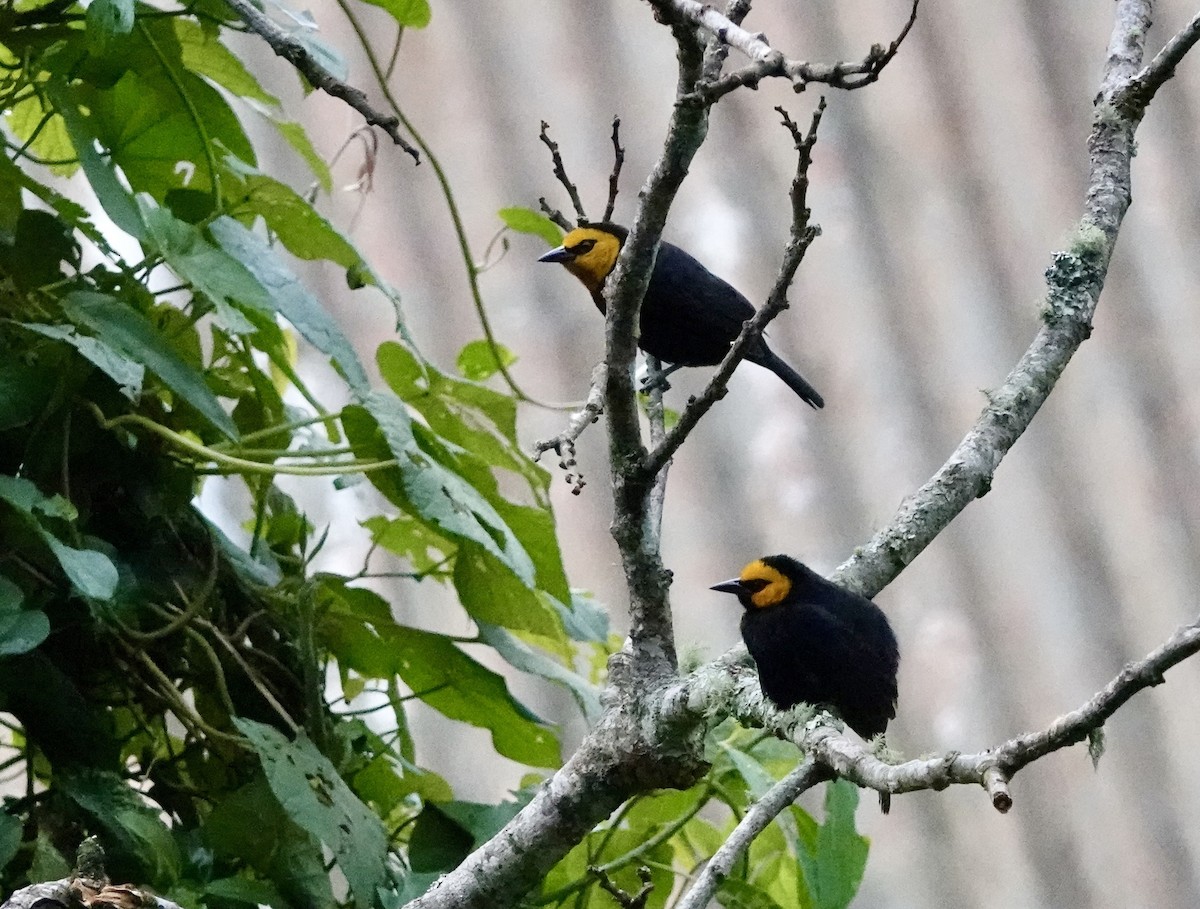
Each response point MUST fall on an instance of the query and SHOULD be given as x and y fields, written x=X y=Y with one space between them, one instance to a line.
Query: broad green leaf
x=249 y=826
x=128 y=819
x=360 y=631
x=24 y=390
x=114 y=198
x=438 y=842
x=106 y=19
x=21 y=630
x=409 y=13
x=34 y=121
x=841 y=851
x=125 y=372
x=299 y=227
x=205 y=54
x=245 y=890
x=295 y=136
x=478 y=360
x=528 y=221
x=11 y=829
x=315 y=797
x=521 y=656
x=286 y=295
x=90 y=572
x=131 y=334
x=422 y=486
x=48 y=863
x=491 y=593
x=735 y=893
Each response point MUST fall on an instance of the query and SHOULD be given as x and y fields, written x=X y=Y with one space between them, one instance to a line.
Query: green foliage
x=168 y=682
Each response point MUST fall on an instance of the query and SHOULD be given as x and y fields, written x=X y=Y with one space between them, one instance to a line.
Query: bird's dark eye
x=755 y=585
x=583 y=246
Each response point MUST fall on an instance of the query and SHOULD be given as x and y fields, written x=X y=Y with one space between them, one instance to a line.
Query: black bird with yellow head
x=817 y=643
x=689 y=316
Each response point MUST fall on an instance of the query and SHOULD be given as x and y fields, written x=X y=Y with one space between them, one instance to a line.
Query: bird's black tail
x=795 y=381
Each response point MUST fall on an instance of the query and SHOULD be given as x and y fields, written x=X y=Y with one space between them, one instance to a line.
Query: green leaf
x=132 y=335
x=315 y=797
x=737 y=894
x=134 y=825
x=114 y=198
x=835 y=871
x=478 y=360
x=106 y=19
x=284 y=293
x=296 y=223
x=90 y=572
x=491 y=593
x=125 y=372
x=11 y=830
x=203 y=52
x=438 y=843
x=48 y=863
x=521 y=656
x=245 y=890
x=21 y=630
x=409 y=13
x=528 y=221
x=295 y=136
x=427 y=488
x=360 y=630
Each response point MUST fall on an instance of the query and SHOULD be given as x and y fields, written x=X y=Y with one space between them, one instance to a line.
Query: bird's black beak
x=733 y=585
x=558 y=254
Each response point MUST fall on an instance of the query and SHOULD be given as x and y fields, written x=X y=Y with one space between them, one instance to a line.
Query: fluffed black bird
x=816 y=643
x=689 y=316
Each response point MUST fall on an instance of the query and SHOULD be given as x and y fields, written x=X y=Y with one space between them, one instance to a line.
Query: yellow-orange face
x=758 y=586
x=589 y=253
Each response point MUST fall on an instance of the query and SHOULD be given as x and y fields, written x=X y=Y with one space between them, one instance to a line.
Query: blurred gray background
x=942 y=192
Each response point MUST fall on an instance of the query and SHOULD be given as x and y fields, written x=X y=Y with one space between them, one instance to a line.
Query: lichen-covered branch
x=730 y=687
x=318 y=76
x=1073 y=284
x=563 y=444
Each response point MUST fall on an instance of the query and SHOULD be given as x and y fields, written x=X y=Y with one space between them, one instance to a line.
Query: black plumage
x=689 y=316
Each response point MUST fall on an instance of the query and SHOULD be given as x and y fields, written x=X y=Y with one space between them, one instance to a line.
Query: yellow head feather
x=769 y=586
x=591 y=255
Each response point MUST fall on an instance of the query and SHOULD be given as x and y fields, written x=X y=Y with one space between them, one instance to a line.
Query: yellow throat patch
x=594 y=253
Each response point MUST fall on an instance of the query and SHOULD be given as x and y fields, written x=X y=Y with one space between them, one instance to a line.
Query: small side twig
x=284 y=45
x=554 y=214
x=1142 y=88
x=755 y=821
x=623 y=899
x=560 y=172
x=801 y=237
x=615 y=176
x=563 y=444
x=768 y=62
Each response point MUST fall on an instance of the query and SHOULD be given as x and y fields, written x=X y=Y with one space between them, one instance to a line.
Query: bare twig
x=563 y=444
x=801 y=237
x=623 y=899
x=299 y=56
x=560 y=173
x=615 y=177
x=768 y=62
x=760 y=815
x=554 y=214
x=1142 y=88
